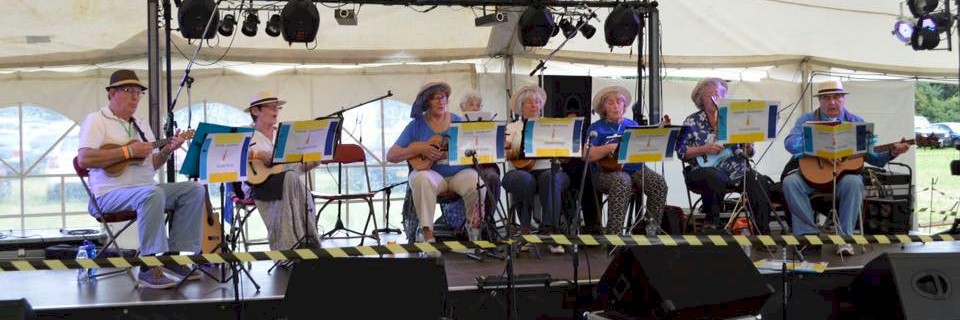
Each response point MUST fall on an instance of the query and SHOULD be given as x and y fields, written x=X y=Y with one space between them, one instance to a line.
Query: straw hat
x=597 y=99
x=419 y=105
x=515 y=105
x=124 y=77
x=830 y=87
x=264 y=97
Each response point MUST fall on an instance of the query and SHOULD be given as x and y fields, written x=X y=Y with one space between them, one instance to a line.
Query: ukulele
x=118 y=168
x=609 y=163
x=820 y=172
x=210 y=240
x=259 y=171
x=419 y=162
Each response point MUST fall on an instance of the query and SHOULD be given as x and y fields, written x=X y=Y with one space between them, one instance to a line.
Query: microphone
x=470 y=152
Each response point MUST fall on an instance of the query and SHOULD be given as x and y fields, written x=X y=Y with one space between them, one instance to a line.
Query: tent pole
x=508 y=80
x=153 y=67
x=653 y=35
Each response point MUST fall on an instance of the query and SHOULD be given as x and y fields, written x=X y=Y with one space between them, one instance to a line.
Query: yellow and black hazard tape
x=447 y=246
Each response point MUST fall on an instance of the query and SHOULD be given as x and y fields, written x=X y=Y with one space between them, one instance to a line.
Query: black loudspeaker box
x=16 y=310
x=567 y=94
x=368 y=288
x=682 y=283
x=909 y=286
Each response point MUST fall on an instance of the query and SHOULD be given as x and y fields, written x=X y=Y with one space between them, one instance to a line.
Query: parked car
x=951 y=133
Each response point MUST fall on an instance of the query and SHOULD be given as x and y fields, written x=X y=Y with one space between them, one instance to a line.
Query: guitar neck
x=889 y=146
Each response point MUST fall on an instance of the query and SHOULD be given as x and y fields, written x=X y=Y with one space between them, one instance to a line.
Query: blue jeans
x=849 y=195
x=185 y=199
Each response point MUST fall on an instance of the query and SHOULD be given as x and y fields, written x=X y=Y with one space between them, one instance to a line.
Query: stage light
x=569 y=30
x=926 y=33
x=587 y=30
x=273 y=26
x=250 y=24
x=535 y=26
x=299 y=21
x=226 y=26
x=622 y=26
x=920 y=7
x=193 y=16
x=903 y=30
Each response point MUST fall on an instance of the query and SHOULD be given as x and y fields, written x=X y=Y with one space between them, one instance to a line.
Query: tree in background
x=938 y=102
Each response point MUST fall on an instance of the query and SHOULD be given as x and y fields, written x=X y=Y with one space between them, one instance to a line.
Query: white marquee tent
x=58 y=54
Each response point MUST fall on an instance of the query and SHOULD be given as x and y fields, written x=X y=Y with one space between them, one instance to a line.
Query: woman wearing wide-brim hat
x=431 y=118
x=284 y=222
x=526 y=182
x=619 y=182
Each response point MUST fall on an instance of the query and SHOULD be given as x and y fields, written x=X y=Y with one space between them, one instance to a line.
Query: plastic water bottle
x=82 y=275
x=746 y=232
x=91 y=249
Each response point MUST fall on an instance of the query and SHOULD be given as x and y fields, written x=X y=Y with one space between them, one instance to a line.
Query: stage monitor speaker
x=368 y=288
x=16 y=310
x=686 y=282
x=909 y=286
x=567 y=94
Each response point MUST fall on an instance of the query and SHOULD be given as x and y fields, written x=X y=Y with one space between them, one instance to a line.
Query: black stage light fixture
x=345 y=17
x=226 y=26
x=300 y=21
x=250 y=24
x=903 y=30
x=569 y=30
x=587 y=30
x=926 y=33
x=273 y=26
x=622 y=26
x=193 y=16
x=536 y=26
x=920 y=7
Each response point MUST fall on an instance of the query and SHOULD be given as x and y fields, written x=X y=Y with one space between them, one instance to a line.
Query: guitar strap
x=133 y=121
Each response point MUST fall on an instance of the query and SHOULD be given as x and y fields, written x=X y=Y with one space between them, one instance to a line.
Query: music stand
x=472 y=143
x=835 y=142
x=299 y=142
x=553 y=139
x=646 y=144
x=221 y=158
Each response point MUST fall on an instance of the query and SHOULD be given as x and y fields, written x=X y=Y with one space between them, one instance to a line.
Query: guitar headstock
x=187 y=135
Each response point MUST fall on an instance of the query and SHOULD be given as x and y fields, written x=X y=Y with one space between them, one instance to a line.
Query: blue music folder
x=191 y=164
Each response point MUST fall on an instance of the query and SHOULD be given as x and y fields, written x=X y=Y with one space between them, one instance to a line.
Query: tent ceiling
x=702 y=33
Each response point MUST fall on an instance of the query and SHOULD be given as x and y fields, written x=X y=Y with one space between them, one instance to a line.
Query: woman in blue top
x=618 y=183
x=432 y=118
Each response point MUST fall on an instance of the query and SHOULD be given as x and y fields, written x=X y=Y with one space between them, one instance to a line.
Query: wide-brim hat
x=263 y=97
x=124 y=77
x=830 y=87
x=597 y=99
x=421 y=101
x=515 y=104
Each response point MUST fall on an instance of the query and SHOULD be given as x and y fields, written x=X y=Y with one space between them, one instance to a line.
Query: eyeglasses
x=132 y=90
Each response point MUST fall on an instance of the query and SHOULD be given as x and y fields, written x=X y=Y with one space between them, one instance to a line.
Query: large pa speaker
x=909 y=286
x=682 y=283
x=16 y=310
x=567 y=94
x=368 y=288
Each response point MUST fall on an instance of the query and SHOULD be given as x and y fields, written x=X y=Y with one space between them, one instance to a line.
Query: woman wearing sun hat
x=431 y=117
x=280 y=199
x=610 y=104
x=525 y=183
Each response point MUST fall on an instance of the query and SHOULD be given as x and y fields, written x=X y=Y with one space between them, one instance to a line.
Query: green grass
x=936 y=188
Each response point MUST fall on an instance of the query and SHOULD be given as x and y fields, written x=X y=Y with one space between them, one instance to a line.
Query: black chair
x=105 y=218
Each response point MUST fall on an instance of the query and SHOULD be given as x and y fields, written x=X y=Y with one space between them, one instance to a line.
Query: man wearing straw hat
x=832 y=98
x=136 y=188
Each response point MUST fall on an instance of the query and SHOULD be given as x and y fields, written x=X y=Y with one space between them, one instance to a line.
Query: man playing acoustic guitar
x=135 y=188
x=849 y=193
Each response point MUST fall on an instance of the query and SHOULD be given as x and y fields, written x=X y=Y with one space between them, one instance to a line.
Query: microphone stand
x=541 y=65
x=509 y=258
x=575 y=227
x=386 y=213
x=342 y=110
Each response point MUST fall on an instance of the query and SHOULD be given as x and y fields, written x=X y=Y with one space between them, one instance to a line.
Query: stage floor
x=53 y=290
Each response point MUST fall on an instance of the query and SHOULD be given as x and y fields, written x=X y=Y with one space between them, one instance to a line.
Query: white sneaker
x=845 y=249
x=557 y=249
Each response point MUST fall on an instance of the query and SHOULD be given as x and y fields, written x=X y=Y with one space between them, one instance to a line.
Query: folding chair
x=105 y=218
x=243 y=207
x=347 y=154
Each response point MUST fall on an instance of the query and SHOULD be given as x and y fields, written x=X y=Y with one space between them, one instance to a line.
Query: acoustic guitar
x=820 y=172
x=419 y=162
x=259 y=171
x=210 y=240
x=118 y=168
x=524 y=163
x=609 y=163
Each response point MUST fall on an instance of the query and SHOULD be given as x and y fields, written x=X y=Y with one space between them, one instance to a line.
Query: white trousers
x=427 y=184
